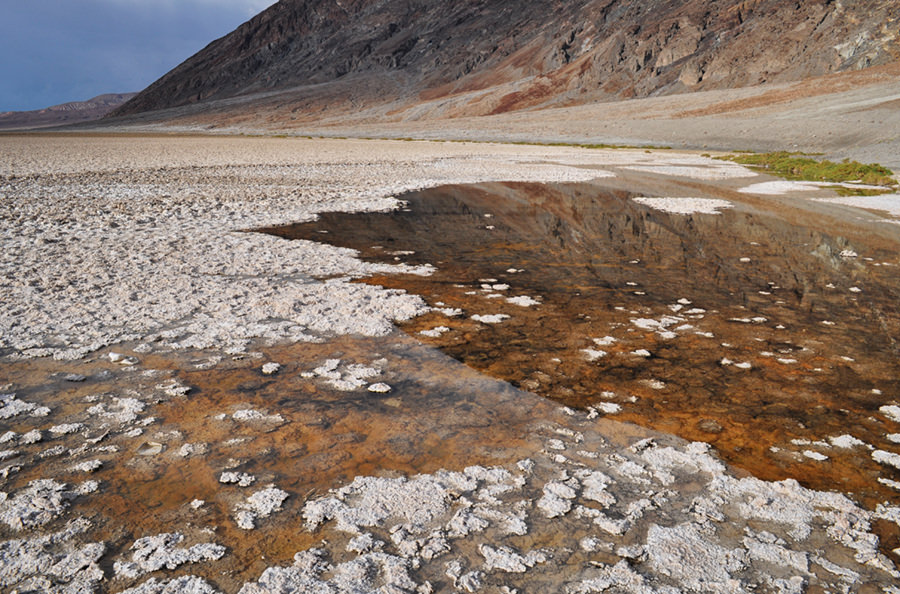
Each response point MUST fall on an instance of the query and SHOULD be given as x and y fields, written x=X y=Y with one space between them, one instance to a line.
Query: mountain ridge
x=71 y=112
x=330 y=56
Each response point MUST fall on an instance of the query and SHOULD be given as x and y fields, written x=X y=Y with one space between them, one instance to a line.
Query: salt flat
x=148 y=448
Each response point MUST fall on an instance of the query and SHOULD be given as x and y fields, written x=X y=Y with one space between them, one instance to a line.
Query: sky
x=55 y=51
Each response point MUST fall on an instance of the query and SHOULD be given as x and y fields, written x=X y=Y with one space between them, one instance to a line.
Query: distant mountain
x=411 y=59
x=65 y=113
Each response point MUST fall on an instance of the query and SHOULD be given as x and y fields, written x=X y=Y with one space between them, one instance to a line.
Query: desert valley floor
x=249 y=364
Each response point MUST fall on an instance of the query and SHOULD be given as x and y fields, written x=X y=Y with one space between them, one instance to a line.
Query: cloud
x=60 y=50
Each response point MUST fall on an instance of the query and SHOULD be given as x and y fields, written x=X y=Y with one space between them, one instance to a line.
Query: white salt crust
x=685 y=206
x=96 y=248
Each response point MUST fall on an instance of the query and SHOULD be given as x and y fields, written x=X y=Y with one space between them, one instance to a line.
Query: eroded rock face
x=573 y=50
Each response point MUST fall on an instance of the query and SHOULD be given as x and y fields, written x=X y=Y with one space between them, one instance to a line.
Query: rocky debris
x=261 y=504
x=152 y=553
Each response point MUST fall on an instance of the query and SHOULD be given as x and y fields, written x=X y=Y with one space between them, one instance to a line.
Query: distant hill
x=65 y=113
x=412 y=59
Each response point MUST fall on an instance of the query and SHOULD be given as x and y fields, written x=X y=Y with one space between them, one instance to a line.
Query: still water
x=768 y=330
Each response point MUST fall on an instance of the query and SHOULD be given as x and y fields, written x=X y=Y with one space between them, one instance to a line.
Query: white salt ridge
x=249 y=415
x=593 y=354
x=889 y=203
x=708 y=171
x=490 y=318
x=435 y=332
x=523 y=301
x=891 y=411
x=153 y=553
x=777 y=188
x=685 y=206
x=120 y=411
x=10 y=407
x=887 y=458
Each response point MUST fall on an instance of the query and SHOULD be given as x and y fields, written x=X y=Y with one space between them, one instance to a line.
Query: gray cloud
x=59 y=50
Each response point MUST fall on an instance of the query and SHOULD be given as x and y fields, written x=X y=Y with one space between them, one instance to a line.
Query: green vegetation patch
x=804 y=167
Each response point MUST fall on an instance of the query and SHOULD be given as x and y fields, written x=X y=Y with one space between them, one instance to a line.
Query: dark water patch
x=764 y=330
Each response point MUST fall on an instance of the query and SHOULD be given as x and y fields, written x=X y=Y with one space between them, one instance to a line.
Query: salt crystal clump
x=508 y=560
x=87 y=466
x=371 y=572
x=846 y=441
x=249 y=415
x=490 y=318
x=523 y=301
x=379 y=388
x=52 y=562
x=121 y=411
x=684 y=553
x=592 y=354
x=891 y=411
x=557 y=499
x=35 y=505
x=152 y=553
x=435 y=332
x=888 y=458
x=10 y=407
x=345 y=377
x=186 y=584
x=271 y=368
x=261 y=504
x=242 y=479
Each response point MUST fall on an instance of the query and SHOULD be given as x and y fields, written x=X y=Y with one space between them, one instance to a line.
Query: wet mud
x=764 y=330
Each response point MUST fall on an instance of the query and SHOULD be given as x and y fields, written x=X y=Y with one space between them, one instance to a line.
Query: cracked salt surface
x=731 y=535
x=93 y=253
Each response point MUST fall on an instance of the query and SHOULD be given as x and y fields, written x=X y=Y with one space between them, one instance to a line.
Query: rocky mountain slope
x=300 y=58
x=65 y=113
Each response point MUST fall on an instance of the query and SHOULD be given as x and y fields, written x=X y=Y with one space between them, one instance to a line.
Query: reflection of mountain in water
x=744 y=329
